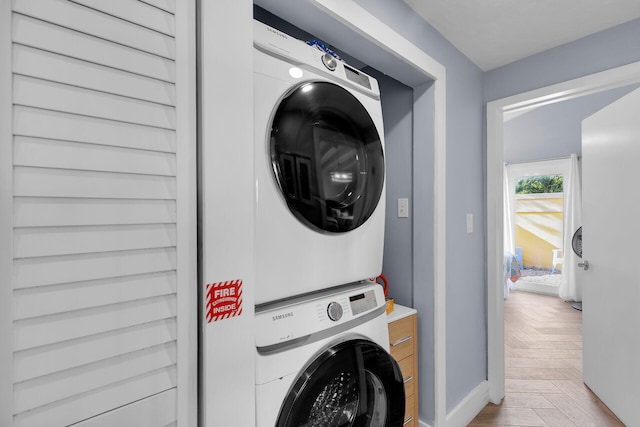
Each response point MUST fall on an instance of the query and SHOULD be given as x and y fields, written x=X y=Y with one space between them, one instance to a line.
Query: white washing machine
x=323 y=361
x=320 y=171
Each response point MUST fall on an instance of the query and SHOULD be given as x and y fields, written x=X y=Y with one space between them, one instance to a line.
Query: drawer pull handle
x=409 y=378
x=401 y=340
x=407 y=421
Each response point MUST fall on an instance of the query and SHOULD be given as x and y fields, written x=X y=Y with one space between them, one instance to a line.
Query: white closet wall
x=101 y=257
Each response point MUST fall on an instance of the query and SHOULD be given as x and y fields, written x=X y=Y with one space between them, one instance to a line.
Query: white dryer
x=319 y=166
x=324 y=362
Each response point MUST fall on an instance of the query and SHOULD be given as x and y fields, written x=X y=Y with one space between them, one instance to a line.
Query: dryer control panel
x=299 y=53
x=297 y=318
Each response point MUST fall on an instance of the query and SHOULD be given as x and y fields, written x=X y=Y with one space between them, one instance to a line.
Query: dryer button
x=334 y=311
x=329 y=61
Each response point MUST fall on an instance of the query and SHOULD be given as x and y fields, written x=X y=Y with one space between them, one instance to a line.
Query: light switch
x=403 y=208
x=469 y=223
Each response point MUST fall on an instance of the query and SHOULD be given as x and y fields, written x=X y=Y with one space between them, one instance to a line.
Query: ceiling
x=493 y=33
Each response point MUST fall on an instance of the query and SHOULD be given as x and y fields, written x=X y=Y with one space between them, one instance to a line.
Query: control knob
x=329 y=61
x=334 y=311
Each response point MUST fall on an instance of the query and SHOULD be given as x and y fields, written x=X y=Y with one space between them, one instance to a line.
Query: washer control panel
x=300 y=317
x=362 y=302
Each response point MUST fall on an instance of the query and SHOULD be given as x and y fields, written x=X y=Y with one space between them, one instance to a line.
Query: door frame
x=496 y=111
x=6 y=216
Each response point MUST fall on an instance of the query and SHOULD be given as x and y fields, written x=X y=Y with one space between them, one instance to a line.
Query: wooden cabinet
x=403 y=340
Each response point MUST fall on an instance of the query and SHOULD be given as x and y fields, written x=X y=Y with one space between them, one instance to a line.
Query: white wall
x=226 y=208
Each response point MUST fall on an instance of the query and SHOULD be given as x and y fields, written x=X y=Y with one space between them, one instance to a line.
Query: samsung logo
x=282 y=316
x=278 y=33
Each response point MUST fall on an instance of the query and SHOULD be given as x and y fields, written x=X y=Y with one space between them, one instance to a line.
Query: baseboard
x=537 y=288
x=470 y=406
x=467 y=410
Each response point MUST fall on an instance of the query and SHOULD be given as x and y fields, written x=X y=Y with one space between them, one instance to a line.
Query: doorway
x=543 y=348
x=496 y=110
x=534 y=205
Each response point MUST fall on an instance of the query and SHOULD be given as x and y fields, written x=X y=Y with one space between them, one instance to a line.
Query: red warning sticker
x=223 y=300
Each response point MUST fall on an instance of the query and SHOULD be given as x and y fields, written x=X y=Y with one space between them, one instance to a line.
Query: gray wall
x=554 y=130
x=601 y=51
x=466 y=307
x=397 y=110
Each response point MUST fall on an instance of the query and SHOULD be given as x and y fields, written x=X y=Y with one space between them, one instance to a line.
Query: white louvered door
x=100 y=261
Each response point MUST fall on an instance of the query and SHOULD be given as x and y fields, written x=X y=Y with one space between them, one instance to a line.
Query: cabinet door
x=98 y=213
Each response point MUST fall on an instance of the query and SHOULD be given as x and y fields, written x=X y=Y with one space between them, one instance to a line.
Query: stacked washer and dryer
x=321 y=332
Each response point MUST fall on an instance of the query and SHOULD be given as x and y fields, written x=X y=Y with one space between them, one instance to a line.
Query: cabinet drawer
x=401 y=339
x=409 y=412
x=406 y=366
x=403 y=342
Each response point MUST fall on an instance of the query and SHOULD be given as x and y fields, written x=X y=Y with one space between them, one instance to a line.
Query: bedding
x=511 y=272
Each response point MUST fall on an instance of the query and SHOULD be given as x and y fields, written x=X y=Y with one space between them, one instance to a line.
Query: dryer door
x=355 y=383
x=327 y=157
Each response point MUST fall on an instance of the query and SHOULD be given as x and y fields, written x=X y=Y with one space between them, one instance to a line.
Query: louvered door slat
x=43 y=35
x=167 y=5
x=46 y=65
x=71 y=99
x=73 y=183
x=159 y=410
x=56 y=125
x=89 y=21
x=50 y=241
x=58 y=211
x=29 y=272
x=46 y=300
x=135 y=11
x=39 y=361
x=86 y=405
x=49 y=153
x=61 y=385
x=35 y=332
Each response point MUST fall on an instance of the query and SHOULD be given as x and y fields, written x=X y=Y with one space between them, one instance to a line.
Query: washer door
x=355 y=383
x=327 y=157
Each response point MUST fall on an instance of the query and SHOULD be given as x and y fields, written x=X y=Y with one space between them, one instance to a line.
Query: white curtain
x=509 y=230
x=570 y=288
x=509 y=213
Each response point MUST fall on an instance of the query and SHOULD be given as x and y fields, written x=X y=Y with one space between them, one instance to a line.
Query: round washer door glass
x=327 y=157
x=355 y=383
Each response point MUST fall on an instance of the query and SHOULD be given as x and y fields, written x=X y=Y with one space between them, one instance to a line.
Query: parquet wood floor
x=543 y=368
